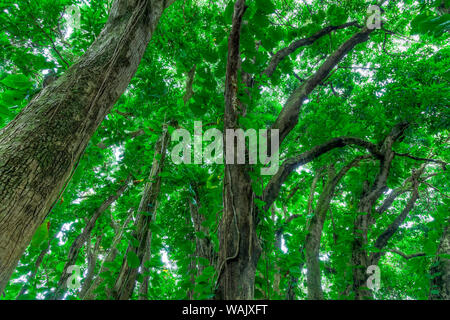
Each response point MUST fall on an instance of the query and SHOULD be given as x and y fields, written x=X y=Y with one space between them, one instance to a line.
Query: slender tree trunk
x=39 y=260
x=92 y=256
x=440 y=272
x=204 y=247
x=143 y=289
x=84 y=236
x=111 y=256
x=293 y=280
x=278 y=250
x=39 y=149
x=360 y=261
x=239 y=247
x=314 y=235
x=126 y=280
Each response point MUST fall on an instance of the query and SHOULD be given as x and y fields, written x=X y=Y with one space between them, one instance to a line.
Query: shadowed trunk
x=126 y=280
x=79 y=241
x=40 y=148
x=360 y=260
x=440 y=272
x=314 y=235
x=239 y=247
x=92 y=256
x=91 y=293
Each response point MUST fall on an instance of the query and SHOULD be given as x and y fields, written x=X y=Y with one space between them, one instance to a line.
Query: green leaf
x=265 y=6
x=132 y=260
x=16 y=81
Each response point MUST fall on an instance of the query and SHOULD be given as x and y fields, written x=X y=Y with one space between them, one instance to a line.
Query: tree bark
x=92 y=256
x=239 y=249
x=84 y=236
x=111 y=256
x=360 y=260
x=126 y=280
x=39 y=149
x=440 y=272
x=314 y=235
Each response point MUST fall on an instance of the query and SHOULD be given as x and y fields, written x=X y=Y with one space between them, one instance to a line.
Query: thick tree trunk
x=84 y=236
x=239 y=247
x=41 y=146
x=125 y=283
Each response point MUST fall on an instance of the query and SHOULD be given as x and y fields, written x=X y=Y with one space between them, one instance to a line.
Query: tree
x=359 y=178
x=40 y=148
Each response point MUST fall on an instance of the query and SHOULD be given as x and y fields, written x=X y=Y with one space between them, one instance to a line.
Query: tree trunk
x=360 y=260
x=92 y=256
x=84 y=236
x=125 y=283
x=41 y=146
x=239 y=249
x=111 y=256
x=314 y=235
x=440 y=272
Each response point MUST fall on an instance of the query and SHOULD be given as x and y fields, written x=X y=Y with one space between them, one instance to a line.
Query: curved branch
x=408 y=256
x=421 y=159
x=288 y=116
x=283 y=53
x=273 y=187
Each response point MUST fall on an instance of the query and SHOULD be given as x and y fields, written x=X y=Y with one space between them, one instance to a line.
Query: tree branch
x=408 y=256
x=443 y=163
x=283 y=53
x=288 y=116
x=273 y=187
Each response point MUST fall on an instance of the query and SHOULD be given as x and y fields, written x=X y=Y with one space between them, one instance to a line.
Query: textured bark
x=92 y=256
x=41 y=146
x=440 y=272
x=239 y=249
x=81 y=239
x=314 y=235
x=126 y=280
x=360 y=260
x=293 y=280
x=111 y=256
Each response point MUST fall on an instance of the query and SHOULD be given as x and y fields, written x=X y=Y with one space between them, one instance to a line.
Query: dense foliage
x=399 y=75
